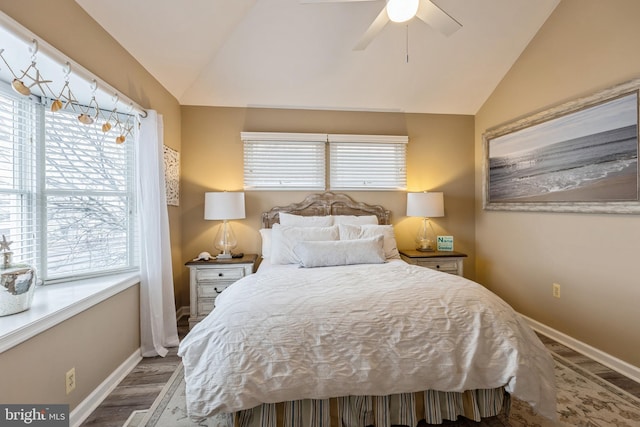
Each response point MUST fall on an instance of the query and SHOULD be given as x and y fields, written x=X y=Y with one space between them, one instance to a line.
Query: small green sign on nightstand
x=445 y=243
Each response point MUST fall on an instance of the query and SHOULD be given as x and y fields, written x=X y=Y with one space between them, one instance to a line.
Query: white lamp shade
x=402 y=10
x=426 y=204
x=224 y=205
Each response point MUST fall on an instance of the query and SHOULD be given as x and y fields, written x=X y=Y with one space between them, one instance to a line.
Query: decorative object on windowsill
x=17 y=282
x=426 y=205
x=31 y=82
x=224 y=206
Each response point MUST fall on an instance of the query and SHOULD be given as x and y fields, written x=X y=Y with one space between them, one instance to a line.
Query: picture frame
x=171 y=160
x=579 y=156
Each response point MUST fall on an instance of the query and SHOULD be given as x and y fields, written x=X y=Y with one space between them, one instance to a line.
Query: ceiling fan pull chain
x=407 y=43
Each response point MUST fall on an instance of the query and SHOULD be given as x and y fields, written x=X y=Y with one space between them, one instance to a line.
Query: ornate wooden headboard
x=326 y=204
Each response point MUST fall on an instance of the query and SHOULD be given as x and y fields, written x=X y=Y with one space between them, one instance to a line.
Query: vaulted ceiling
x=286 y=54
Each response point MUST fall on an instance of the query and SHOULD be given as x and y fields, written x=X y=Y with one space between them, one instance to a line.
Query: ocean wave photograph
x=587 y=156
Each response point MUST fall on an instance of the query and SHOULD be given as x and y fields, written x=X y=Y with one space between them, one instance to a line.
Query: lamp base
x=425 y=250
x=224 y=256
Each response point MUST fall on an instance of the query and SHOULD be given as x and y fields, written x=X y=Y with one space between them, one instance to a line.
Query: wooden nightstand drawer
x=205 y=306
x=449 y=266
x=447 y=262
x=212 y=290
x=215 y=274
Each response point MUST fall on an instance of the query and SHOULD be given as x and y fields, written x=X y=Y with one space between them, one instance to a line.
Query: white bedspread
x=291 y=333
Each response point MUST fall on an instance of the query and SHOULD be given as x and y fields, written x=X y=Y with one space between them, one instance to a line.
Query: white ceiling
x=284 y=54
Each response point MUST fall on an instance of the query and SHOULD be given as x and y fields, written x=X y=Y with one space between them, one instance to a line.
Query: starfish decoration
x=68 y=99
x=37 y=80
x=4 y=245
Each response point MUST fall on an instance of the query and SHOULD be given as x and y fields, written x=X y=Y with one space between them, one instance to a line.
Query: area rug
x=584 y=400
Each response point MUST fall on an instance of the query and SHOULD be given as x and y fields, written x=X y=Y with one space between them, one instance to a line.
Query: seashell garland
x=20 y=87
x=85 y=119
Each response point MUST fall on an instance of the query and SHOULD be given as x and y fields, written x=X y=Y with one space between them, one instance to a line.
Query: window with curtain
x=279 y=161
x=367 y=162
x=67 y=192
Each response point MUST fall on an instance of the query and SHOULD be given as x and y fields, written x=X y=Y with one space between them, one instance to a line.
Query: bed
x=335 y=330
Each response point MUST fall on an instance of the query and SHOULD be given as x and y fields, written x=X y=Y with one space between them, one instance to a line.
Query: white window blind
x=279 y=161
x=367 y=162
x=89 y=199
x=17 y=175
x=67 y=192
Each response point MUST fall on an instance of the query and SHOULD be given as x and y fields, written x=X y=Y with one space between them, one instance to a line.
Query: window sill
x=53 y=304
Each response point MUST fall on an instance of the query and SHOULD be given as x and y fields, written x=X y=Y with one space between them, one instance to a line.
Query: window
x=67 y=192
x=367 y=162
x=279 y=161
x=288 y=161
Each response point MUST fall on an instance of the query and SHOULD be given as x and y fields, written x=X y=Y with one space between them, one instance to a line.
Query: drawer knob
x=220 y=274
x=217 y=291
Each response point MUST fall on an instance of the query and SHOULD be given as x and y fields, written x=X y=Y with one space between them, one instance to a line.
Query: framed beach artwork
x=581 y=156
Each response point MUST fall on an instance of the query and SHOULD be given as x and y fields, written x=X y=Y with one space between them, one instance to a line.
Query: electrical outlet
x=70 y=380
x=556 y=290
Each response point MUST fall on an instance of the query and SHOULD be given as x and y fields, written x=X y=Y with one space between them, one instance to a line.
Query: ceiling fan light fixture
x=402 y=10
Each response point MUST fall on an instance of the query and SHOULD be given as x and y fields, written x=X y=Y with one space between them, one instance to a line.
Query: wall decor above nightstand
x=446 y=261
x=207 y=279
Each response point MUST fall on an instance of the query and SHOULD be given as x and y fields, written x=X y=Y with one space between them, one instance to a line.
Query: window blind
x=88 y=198
x=367 y=162
x=277 y=161
x=17 y=175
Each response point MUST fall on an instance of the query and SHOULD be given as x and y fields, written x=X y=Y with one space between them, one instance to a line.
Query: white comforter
x=377 y=329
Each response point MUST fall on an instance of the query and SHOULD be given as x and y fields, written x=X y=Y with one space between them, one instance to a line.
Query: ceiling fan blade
x=376 y=26
x=437 y=18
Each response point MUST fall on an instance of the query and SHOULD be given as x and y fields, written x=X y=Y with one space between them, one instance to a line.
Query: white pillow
x=284 y=238
x=341 y=252
x=355 y=219
x=305 y=221
x=265 y=234
x=351 y=232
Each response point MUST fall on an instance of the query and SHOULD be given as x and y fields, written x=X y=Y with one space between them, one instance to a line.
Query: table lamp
x=426 y=205
x=224 y=206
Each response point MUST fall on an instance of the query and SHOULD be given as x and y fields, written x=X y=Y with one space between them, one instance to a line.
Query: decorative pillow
x=355 y=219
x=305 y=221
x=341 y=252
x=265 y=234
x=352 y=232
x=284 y=238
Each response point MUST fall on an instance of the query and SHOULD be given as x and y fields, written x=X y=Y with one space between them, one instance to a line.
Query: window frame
x=37 y=217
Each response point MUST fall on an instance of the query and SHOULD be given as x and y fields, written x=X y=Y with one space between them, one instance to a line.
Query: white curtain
x=158 y=329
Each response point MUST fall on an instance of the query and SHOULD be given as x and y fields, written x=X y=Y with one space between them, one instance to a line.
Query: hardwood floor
x=139 y=388
x=143 y=384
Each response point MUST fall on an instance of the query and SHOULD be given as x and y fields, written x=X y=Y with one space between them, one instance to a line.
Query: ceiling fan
x=402 y=11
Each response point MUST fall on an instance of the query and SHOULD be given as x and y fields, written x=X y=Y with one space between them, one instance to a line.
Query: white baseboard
x=182 y=312
x=88 y=405
x=620 y=366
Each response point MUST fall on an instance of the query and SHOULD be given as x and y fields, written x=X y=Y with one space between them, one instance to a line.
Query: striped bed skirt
x=405 y=409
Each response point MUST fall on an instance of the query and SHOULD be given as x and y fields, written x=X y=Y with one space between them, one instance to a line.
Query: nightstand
x=449 y=261
x=207 y=279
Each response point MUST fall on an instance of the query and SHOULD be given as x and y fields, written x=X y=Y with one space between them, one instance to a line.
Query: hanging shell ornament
x=106 y=127
x=56 y=105
x=20 y=87
x=121 y=139
x=85 y=119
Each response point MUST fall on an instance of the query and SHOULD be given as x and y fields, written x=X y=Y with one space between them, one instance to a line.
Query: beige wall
x=100 y=339
x=440 y=157
x=95 y=342
x=585 y=46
